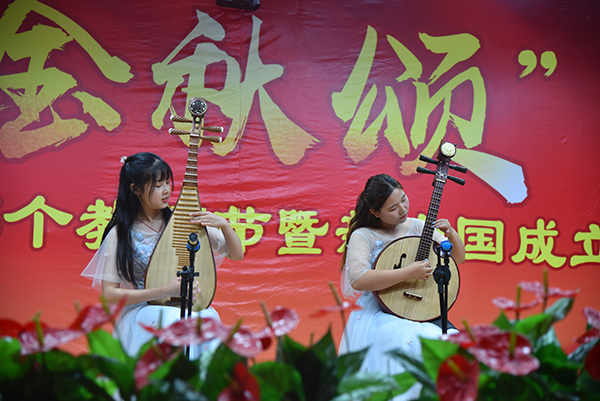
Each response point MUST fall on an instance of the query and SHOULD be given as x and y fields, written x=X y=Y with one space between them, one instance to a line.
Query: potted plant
x=512 y=359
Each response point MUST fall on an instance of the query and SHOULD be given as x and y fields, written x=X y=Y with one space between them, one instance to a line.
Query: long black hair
x=377 y=189
x=143 y=170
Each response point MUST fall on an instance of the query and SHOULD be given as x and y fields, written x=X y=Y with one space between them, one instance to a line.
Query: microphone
x=193 y=244
x=446 y=247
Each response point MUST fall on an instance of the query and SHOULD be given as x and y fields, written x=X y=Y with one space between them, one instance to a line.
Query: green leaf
x=75 y=386
x=579 y=355
x=588 y=387
x=11 y=365
x=556 y=369
x=289 y=350
x=404 y=380
x=60 y=361
x=317 y=365
x=548 y=339
x=277 y=380
x=220 y=371
x=178 y=368
x=350 y=363
x=113 y=372
x=486 y=378
x=504 y=387
x=319 y=381
x=415 y=367
x=502 y=322
x=102 y=343
x=363 y=385
x=535 y=326
x=53 y=375
x=434 y=353
x=561 y=308
x=71 y=379
x=15 y=371
x=325 y=350
x=176 y=390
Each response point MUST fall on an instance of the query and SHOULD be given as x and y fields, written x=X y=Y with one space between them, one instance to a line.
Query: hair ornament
x=123 y=159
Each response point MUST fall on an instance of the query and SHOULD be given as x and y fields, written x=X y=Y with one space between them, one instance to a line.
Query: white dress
x=103 y=267
x=370 y=326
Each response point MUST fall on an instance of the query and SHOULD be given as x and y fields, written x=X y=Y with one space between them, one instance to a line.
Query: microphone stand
x=187 y=275
x=442 y=275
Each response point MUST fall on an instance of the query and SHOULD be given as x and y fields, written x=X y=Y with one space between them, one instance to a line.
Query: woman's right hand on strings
x=420 y=270
x=173 y=287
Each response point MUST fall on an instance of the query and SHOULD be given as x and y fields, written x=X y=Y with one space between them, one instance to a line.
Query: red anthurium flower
x=343 y=307
x=195 y=331
x=510 y=305
x=152 y=359
x=588 y=336
x=284 y=320
x=494 y=350
x=469 y=338
x=265 y=337
x=246 y=343
x=191 y=331
x=492 y=347
x=244 y=386
x=243 y=342
x=34 y=338
x=458 y=379
x=32 y=342
x=553 y=292
x=592 y=362
x=10 y=328
x=593 y=319
x=95 y=316
x=280 y=321
x=593 y=316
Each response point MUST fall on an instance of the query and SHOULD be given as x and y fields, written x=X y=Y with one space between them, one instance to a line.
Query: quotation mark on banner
x=528 y=59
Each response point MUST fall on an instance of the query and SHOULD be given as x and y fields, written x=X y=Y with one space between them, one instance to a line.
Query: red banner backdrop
x=315 y=97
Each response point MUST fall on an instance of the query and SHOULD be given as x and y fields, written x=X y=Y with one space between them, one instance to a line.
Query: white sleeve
x=103 y=266
x=358 y=262
x=218 y=245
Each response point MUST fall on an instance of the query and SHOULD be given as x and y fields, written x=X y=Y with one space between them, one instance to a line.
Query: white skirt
x=382 y=332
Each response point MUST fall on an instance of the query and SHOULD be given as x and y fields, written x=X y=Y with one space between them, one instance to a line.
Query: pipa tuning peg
x=425 y=170
x=175 y=131
x=210 y=138
x=460 y=169
x=212 y=129
x=179 y=119
x=424 y=158
x=457 y=180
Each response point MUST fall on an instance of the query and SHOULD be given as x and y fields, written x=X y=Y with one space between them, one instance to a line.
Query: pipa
x=171 y=254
